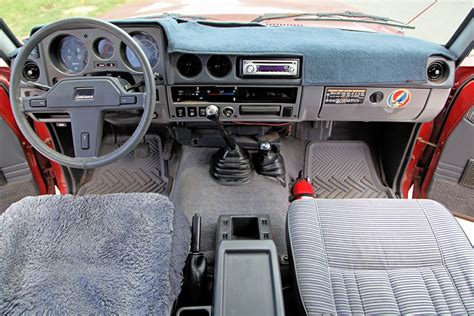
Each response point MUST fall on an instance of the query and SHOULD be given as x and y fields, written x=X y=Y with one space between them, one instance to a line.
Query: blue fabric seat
x=102 y=254
x=379 y=256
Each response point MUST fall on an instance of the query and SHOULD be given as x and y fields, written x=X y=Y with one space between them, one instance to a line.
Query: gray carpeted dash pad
x=343 y=170
x=132 y=173
x=196 y=192
x=92 y=255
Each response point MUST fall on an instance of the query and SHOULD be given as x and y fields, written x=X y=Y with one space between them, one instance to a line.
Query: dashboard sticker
x=399 y=99
x=345 y=96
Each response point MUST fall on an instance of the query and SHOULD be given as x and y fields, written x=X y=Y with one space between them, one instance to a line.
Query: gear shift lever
x=213 y=114
x=232 y=164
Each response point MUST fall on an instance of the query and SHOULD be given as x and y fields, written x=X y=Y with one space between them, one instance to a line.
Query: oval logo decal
x=399 y=98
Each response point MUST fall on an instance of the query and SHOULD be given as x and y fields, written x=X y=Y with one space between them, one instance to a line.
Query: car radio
x=283 y=68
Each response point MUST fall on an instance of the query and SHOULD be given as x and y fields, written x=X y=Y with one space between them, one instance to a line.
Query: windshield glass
x=434 y=20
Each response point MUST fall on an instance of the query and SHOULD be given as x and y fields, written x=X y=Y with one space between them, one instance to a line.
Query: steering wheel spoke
x=129 y=101
x=87 y=127
x=38 y=104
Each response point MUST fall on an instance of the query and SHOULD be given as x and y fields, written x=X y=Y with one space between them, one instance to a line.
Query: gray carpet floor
x=195 y=191
x=13 y=192
x=457 y=198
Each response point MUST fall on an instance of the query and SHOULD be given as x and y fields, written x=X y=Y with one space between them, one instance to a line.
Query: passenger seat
x=379 y=256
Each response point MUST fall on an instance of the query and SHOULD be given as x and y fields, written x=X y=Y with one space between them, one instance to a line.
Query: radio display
x=271 y=68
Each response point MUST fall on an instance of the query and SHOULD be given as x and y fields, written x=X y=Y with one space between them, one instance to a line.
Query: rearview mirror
x=8 y=42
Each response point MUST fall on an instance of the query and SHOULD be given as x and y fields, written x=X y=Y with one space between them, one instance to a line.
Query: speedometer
x=149 y=46
x=73 y=53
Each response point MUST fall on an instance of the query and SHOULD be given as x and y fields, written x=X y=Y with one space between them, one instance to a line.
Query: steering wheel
x=85 y=99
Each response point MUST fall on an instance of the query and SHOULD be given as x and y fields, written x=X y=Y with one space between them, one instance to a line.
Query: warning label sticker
x=345 y=96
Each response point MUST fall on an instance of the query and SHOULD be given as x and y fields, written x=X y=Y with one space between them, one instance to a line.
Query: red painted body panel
x=243 y=11
x=412 y=171
x=56 y=168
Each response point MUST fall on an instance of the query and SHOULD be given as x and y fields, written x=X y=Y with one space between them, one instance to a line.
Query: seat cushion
x=380 y=256
x=118 y=253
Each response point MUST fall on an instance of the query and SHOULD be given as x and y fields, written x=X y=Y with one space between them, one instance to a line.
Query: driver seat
x=97 y=254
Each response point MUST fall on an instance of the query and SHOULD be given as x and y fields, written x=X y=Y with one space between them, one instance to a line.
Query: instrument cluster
x=72 y=53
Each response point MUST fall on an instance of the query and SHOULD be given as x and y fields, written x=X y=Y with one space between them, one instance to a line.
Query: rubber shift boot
x=271 y=164
x=231 y=166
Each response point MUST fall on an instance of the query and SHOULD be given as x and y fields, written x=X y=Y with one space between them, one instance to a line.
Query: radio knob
x=228 y=111
x=291 y=69
x=250 y=69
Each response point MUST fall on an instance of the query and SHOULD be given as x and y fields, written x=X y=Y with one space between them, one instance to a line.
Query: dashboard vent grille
x=31 y=71
x=438 y=71
x=219 y=66
x=189 y=65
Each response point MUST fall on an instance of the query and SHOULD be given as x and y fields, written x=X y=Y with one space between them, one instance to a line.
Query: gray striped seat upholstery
x=377 y=256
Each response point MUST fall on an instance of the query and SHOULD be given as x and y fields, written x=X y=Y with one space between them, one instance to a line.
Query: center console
x=246 y=272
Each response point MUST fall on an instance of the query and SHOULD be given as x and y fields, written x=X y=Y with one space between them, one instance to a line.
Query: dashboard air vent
x=31 y=71
x=189 y=65
x=438 y=71
x=219 y=66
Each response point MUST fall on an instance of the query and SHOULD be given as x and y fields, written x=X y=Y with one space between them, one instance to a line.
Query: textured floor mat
x=131 y=173
x=343 y=170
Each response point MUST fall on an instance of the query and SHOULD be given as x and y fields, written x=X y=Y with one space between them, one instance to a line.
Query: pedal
x=168 y=149
x=142 y=150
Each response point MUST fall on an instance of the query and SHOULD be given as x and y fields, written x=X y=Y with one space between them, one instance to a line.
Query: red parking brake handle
x=302 y=189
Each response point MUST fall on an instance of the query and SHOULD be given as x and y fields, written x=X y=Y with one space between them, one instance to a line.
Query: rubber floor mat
x=343 y=170
x=141 y=170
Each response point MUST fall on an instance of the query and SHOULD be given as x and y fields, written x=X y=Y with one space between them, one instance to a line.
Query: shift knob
x=212 y=112
x=265 y=146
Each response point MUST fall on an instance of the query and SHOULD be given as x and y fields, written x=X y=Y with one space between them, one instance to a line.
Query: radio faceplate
x=276 y=68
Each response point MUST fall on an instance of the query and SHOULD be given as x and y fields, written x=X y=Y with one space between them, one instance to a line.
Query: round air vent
x=219 y=65
x=189 y=65
x=31 y=71
x=438 y=71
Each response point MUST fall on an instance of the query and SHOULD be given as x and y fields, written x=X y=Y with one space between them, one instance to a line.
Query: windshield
x=431 y=20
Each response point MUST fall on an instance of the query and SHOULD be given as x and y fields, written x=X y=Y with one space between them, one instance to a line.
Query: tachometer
x=73 y=53
x=149 y=47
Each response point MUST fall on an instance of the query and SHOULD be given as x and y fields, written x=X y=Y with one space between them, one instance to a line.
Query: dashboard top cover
x=330 y=56
x=322 y=74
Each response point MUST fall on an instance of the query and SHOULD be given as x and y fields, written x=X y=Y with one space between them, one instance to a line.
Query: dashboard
x=267 y=87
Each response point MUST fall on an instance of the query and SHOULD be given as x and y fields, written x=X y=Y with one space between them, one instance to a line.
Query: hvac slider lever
x=232 y=164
